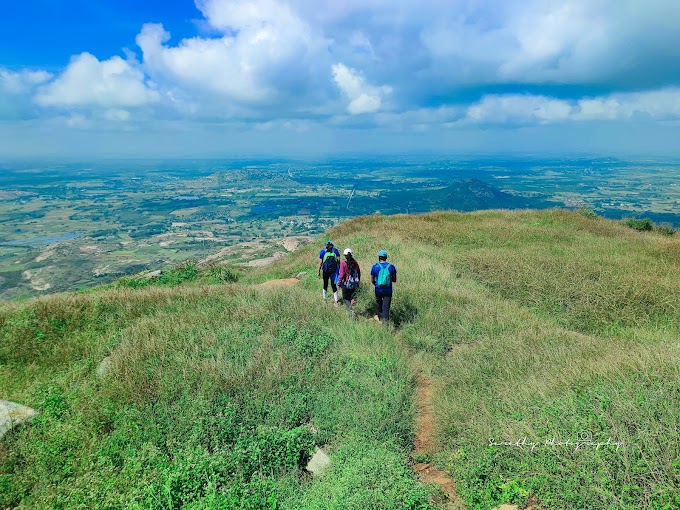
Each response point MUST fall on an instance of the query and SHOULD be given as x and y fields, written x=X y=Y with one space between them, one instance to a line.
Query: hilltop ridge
x=544 y=328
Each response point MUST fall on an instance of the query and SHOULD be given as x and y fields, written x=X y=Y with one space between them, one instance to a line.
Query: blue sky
x=125 y=78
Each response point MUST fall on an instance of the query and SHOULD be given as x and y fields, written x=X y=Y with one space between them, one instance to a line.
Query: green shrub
x=665 y=230
x=185 y=272
x=220 y=273
x=588 y=213
x=642 y=225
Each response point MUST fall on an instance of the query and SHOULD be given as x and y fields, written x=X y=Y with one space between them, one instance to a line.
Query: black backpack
x=330 y=263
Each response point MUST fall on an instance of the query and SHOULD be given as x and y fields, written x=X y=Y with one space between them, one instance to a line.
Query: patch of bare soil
x=36 y=282
x=293 y=242
x=265 y=261
x=246 y=250
x=425 y=441
x=45 y=255
x=286 y=282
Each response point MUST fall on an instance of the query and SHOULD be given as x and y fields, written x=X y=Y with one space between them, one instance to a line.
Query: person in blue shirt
x=329 y=264
x=383 y=275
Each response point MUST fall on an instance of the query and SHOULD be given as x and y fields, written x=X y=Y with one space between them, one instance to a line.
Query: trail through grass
x=546 y=328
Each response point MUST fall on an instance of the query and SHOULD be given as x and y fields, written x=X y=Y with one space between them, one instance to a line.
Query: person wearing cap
x=350 y=276
x=383 y=286
x=329 y=258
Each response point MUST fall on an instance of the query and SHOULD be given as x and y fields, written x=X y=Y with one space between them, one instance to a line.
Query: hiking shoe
x=337 y=303
x=376 y=318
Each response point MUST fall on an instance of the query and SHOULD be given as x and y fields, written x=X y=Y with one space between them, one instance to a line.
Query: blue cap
x=382 y=253
x=329 y=242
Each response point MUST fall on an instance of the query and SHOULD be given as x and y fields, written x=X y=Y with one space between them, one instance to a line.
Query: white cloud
x=653 y=104
x=264 y=64
x=16 y=89
x=663 y=104
x=117 y=115
x=566 y=41
x=363 y=98
x=87 y=82
x=516 y=108
x=264 y=53
x=21 y=82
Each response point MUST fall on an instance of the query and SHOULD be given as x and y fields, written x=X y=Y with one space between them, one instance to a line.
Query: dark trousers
x=326 y=278
x=347 y=294
x=382 y=306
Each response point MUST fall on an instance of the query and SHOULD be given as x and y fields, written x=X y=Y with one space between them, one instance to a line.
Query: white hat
x=348 y=251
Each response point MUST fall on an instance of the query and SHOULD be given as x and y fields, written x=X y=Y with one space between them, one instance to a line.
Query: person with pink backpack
x=349 y=279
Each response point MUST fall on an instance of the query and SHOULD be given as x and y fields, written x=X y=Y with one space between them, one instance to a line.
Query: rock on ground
x=104 y=366
x=12 y=415
x=318 y=463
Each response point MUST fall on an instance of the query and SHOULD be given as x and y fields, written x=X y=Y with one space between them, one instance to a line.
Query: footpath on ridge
x=425 y=441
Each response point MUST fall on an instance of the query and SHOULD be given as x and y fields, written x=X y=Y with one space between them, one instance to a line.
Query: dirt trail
x=286 y=282
x=425 y=442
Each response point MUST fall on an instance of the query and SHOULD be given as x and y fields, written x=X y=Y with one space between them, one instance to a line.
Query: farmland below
x=73 y=226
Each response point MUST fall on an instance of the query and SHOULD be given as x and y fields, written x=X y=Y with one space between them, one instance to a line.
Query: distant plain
x=76 y=225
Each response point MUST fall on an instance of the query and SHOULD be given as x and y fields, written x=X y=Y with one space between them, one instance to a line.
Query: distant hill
x=548 y=340
x=464 y=195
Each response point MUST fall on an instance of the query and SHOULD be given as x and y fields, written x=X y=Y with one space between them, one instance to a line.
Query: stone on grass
x=318 y=463
x=301 y=276
x=12 y=414
x=104 y=367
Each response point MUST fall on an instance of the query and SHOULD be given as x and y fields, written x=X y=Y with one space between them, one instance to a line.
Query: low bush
x=642 y=225
x=665 y=230
x=588 y=213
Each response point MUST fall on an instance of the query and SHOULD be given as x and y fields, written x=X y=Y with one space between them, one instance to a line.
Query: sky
x=298 y=78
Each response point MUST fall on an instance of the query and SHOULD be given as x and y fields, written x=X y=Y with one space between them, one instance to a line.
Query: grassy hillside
x=548 y=327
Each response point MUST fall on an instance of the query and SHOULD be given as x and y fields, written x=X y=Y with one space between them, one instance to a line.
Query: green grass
x=542 y=327
x=210 y=399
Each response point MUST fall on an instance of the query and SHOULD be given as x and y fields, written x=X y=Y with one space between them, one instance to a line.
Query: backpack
x=330 y=263
x=384 y=278
x=353 y=278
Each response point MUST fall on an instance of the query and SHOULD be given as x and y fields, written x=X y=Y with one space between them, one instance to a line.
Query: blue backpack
x=353 y=278
x=384 y=278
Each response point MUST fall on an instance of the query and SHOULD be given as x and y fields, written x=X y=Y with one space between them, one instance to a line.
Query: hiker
x=350 y=276
x=383 y=275
x=329 y=258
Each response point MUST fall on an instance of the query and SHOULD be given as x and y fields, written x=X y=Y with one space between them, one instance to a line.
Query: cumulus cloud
x=661 y=104
x=21 y=82
x=283 y=65
x=87 y=82
x=433 y=47
x=516 y=108
x=363 y=98
x=265 y=52
x=16 y=89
